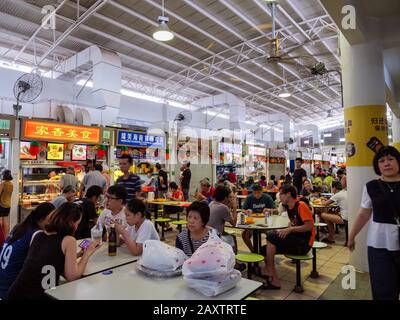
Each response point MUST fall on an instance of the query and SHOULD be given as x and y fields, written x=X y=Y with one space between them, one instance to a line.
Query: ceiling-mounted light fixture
x=284 y=93
x=163 y=33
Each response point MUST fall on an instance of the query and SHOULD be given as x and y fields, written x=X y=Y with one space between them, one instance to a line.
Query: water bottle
x=266 y=218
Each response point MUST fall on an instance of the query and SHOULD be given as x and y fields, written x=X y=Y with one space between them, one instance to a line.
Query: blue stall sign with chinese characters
x=136 y=139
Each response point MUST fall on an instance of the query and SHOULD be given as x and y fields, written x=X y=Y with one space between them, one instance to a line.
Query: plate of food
x=158 y=273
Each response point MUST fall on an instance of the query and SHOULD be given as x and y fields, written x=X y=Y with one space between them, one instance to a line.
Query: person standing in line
x=130 y=181
x=69 y=179
x=299 y=175
x=162 y=181
x=381 y=201
x=93 y=178
x=185 y=180
x=6 y=190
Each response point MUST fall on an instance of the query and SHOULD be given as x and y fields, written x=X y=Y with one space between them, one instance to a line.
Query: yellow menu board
x=55 y=151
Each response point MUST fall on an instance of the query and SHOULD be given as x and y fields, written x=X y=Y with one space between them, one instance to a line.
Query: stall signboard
x=107 y=136
x=277 y=153
x=137 y=139
x=230 y=148
x=307 y=156
x=79 y=153
x=24 y=151
x=317 y=157
x=257 y=151
x=55 y=151
x=7 y=126
x=53 y=131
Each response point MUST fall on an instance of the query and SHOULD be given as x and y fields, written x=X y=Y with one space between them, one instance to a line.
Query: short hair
x=128 y=157
x=231 y=170
x=299 y=159
x=173 y=185
x=256 y=187
x=7 y=175
x=263 y=178
x=286 y=188
x=202 y=208
x=306 y=180
x=337 y=185
x=385 y=151
x=68 y=189
x=272 y=177
x=221 y=193
x=71 y=168
x=98 y=167
x=158 y=166
x=341 y=171
x=62 y=219
x=187 y=163
x=94 y=191
x=119 y=192
x=282 y=177
x=136 y=206
x=205 y=182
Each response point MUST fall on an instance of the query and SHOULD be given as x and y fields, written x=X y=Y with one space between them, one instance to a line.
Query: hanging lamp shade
x=163 y=33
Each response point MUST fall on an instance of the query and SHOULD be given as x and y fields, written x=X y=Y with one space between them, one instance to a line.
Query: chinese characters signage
x=7 y=126
x=136 y=139
x=49 y=131
x=230 y=148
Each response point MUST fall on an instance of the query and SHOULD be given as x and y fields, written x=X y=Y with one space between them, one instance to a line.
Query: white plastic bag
x=214 y=285
x=161 y=257
x=212 y=258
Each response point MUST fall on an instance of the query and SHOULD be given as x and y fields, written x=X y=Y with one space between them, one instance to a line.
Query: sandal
x=270 y=286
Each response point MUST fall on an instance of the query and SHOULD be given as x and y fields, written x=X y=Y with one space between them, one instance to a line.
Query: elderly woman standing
x=381 y=200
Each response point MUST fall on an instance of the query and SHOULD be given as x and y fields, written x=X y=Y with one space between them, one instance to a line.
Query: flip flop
x=270 y=286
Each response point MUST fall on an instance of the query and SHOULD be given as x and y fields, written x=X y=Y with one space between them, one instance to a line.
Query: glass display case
x=39 y=183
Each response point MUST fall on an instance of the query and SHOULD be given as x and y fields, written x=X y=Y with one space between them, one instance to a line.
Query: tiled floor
x=327 y=286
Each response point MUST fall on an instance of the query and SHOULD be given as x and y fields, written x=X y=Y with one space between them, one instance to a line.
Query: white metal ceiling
x=200 y=60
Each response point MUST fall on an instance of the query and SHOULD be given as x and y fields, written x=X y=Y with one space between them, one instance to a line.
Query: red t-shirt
x=210 y=193
x=177 y=195
x=232 y=177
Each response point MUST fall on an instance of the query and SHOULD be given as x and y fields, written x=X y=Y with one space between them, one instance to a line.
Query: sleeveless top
x=383 y=203
x=12 y=257
x=296 y=220
x=41 y=270
x=5 y=196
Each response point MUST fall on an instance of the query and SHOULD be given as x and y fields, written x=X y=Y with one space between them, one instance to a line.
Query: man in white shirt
x=115 y=200
x=339 y=198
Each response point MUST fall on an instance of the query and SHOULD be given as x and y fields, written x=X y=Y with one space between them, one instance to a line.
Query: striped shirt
x=132 y=185
x=183 y=242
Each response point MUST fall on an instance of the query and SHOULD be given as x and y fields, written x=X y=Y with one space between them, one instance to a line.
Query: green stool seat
x=317 y=245
x=320 y=224
x=162 y=221
x=298 y=258
x=250 y=259
x=179 y=223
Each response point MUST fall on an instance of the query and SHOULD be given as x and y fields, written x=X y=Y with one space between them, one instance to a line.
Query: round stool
x=162 y=221
x=250 y=259
x=298 y=287
x=179 y=223
x=319 y=225
x=317 y=245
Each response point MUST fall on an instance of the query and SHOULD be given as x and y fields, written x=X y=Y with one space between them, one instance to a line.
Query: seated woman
x=271 y=187
x=263 y=181
x=339 y=198
x=139 y=228
x=16 y=246
x=197 y=232
x=308 y=190
x=52 y=253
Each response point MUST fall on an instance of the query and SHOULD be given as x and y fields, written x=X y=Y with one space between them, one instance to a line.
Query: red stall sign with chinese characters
x=52 y=131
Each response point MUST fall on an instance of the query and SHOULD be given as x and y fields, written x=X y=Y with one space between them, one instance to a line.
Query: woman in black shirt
x=52 y=254
x=381 y=200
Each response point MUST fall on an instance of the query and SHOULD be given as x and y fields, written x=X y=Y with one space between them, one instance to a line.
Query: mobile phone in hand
x=84 y=244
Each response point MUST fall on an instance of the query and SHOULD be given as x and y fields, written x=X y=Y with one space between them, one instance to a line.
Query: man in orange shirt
x=296 y=239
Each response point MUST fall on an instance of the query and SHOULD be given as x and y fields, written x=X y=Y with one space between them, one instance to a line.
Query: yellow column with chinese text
x=361 y=124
